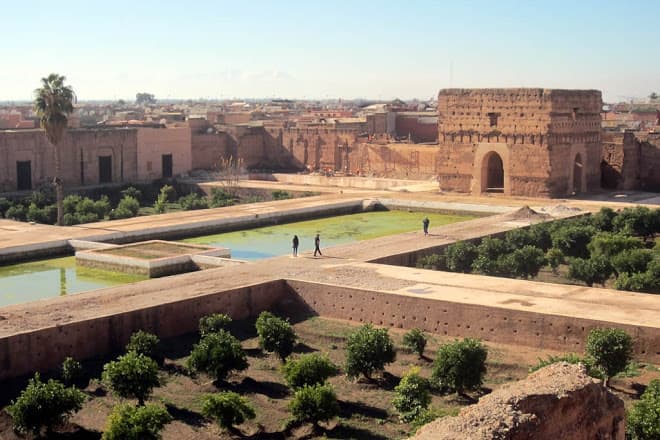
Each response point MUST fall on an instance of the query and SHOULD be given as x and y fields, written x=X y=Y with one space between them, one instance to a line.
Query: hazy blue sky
x=314 y=49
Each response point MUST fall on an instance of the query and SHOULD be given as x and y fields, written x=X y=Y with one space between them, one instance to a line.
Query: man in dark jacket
x=317 y=245
x=295 y=245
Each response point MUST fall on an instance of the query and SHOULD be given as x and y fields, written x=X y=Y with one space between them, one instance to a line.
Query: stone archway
x=578 y=174
x=492 y=173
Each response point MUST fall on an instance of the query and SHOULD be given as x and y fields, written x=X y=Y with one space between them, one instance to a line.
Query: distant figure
x=317 y=245
x=425 y=224
x=295 y=245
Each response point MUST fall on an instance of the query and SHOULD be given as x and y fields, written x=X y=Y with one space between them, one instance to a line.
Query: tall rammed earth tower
x=527 y=142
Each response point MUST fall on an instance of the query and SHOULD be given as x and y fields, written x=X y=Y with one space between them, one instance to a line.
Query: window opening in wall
x=105 y=169
x=575 y=112
x=493 y=119
x=24 y=175
x=167 y=165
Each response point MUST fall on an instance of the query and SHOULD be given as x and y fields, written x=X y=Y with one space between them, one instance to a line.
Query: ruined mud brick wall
x=317 y=149
x=649 y=163
x=620 y=161
x=507 y=326
x=538 y=133
x=79 y=153
x=46 y=348
x=405 y=161
x=208 y=149
x=419 y=127
x=559 y=401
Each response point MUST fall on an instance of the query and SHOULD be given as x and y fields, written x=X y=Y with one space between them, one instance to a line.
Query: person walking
x=425 y=224
x=295 y=245
x=317 y=245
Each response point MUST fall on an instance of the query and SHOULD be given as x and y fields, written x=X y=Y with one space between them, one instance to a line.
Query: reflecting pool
x=26 y=282
x=270 y=241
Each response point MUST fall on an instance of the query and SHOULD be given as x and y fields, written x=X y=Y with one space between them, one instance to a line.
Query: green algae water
x=24 y=282
x=271 y=241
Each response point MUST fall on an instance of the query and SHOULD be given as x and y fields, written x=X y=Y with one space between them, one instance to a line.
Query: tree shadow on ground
x=248 y=385
x=301 y=347
x=342 y=431
x=186 y=416
x=348 y=409
x=636 y=391
x=76 y=433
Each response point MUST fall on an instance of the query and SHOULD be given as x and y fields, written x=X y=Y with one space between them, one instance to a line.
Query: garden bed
x=366 y=410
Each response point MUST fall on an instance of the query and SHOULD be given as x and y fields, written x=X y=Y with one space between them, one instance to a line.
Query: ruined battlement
x=525 y=115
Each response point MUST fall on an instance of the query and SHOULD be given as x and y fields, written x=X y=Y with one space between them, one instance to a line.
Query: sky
x=307 y=49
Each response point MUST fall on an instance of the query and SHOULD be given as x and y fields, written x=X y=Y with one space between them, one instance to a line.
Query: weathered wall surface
x=208 y=149
x=557 y=402
x=47 y=348
x=649 y=163
x=79 y=153
x=501 y=325
x=620 y=161
x=153 y=143
x=544 y=132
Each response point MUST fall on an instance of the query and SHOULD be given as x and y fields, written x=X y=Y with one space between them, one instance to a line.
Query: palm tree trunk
x=59 y=189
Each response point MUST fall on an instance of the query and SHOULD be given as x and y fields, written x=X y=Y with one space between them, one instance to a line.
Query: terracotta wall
x=46 y=348
x=153 y=143
x=79 y=151
x=208 y=149
x=492 y=324
x=649 y=163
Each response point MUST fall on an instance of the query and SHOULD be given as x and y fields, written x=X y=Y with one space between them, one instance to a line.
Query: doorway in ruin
x=578 y=170
x=494 y=173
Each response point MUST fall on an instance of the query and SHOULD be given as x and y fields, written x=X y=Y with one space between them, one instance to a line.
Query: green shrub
x=573 y=239
x=279 y=194
x=608 y=244
x=145 y=343
x=603 y=219
x=132 y=375
x=554 y=257
x=5 y=204
x=127 y=422
x=46 y=215
x=213 y=323
x=308 y=369
x=638 y=282
x=193 y=201
x=611 y=350
x=128 y=207
x=44 y=405
x=70 y=202
x=165 y=195
x=596 y=269
x=227 y=408
x=314 y=403
x=644 y=417
x=220 y=198
x=71 y=370
x=433 y=261
x=16 y=212
x=525 y=262
x=640 y=221
x=102 y=207
x=131 y=191
x=412 y=396
x=218 y=354
x=632 y=261
x=460 y=256
x=368 y=350
x=460 y=365
x=275 y=334
x=415 y=341
x=490 y=260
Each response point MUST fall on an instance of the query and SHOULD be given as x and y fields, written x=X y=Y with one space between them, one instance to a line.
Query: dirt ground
x=366 y=408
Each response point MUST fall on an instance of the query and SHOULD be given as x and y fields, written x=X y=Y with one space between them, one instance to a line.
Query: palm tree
x=53 y=102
